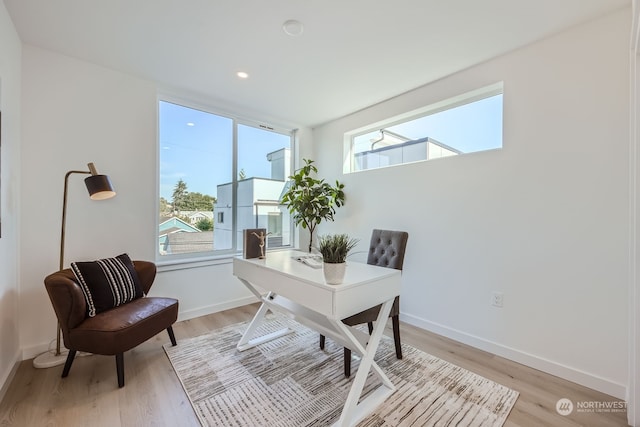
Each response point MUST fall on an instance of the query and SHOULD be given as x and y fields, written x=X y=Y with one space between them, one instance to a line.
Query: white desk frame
x=299 y=291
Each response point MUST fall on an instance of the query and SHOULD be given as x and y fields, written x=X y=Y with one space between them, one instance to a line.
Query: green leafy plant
x=311 y=200
x=335 y=247
x=204 y=224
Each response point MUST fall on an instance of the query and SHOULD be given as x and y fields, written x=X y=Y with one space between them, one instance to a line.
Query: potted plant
x=334 y=249
x=311 y=200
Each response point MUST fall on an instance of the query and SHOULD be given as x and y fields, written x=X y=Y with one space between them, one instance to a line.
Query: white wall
x=10 y=52
x=633 y=387
x=544 y=220
x=73 y=113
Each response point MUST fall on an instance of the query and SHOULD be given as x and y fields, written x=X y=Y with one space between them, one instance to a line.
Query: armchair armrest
x=67 y=299
x=146 y=273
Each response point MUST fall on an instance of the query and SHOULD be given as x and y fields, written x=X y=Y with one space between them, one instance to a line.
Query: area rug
x=291 y=382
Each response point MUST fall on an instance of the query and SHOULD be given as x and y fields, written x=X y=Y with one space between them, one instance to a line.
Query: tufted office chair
x=386 y=249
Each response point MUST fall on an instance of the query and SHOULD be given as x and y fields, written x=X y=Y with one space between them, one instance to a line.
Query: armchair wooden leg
x=120 y=369
x=172 y=337
x=347 y=362
x=67 y=365
x=395 y=320
x=322 y=341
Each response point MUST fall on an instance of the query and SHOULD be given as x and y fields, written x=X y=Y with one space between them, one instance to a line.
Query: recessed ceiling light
x=242 y=74
x=191 y=124
x=292 y=28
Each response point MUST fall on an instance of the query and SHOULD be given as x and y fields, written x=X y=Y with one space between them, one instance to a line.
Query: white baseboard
x=8 y=376
x=571 y=374
x=568 y=373
x=33 y=351
x=214 y=308
x=36 y=350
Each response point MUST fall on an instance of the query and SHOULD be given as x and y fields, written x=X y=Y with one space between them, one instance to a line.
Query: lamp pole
x=99 y=188
x=64 y=213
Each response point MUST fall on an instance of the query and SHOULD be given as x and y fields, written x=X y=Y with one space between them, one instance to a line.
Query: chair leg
x=347 y=362
x=67 y=365
x=172 y=337
x=322 y=341
x=120 y=369
x=395 y=320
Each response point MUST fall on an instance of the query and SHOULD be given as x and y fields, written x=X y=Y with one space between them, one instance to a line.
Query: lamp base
x=49 y=359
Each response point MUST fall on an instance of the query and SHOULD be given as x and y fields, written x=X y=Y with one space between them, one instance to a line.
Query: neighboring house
x=403 y=152
x=196 y=216
x=184 y=242
x=258 y=205
x=173 y=223
x=170 y=226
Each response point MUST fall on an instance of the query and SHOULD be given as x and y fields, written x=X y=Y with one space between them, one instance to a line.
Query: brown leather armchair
x=114 y=331
x=386 y=249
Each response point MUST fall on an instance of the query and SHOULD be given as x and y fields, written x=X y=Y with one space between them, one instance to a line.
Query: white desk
x=300 y=292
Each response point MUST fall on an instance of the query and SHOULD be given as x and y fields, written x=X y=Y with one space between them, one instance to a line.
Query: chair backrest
x=387 y=248
x=68 y=300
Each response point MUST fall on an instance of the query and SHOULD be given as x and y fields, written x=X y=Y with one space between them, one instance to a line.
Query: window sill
x=203 y=261
x=195 y=262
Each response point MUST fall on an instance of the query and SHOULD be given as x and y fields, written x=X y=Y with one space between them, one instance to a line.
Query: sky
x=471 y=127
x=197 y=147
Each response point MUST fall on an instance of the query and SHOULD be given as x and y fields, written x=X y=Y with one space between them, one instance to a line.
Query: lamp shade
x=99 y=187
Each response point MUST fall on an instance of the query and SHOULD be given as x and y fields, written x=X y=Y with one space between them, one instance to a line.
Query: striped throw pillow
x=107 y=283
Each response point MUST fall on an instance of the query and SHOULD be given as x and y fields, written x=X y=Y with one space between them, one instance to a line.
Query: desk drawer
x=315 y=298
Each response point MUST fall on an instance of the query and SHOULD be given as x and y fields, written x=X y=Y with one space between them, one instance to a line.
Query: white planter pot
x=334 y=273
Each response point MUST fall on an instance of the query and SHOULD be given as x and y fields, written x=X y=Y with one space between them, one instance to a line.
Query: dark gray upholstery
x=387 y=249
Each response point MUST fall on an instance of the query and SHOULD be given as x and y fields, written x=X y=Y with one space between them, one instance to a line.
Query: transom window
x=217 y=176
x=468 y=123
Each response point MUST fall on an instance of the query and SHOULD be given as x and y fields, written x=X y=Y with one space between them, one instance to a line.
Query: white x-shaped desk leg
x=247 y=342
x=353 y=412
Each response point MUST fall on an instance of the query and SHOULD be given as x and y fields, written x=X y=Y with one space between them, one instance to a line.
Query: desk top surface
x=284 y=262
x=364 y=285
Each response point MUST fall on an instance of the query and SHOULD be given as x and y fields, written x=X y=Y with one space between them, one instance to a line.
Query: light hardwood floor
x=153 y=395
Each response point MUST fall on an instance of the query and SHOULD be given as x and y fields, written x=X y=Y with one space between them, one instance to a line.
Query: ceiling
x=351 y=54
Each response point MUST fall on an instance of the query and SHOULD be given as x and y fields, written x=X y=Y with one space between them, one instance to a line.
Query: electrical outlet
x=497 y=299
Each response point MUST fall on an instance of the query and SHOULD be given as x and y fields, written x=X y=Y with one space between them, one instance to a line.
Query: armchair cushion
x=124 y=327
x=107 y=283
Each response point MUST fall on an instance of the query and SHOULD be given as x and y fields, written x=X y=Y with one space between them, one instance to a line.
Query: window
x=464 y=124
x=218 y=176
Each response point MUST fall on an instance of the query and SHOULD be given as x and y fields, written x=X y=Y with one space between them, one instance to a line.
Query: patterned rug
x=291 y=382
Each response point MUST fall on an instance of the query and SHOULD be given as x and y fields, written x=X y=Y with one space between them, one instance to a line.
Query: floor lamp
x=100 y=188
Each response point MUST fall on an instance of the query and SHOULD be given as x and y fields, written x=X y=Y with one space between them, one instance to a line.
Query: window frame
x=221 y=256
x=469 y=97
